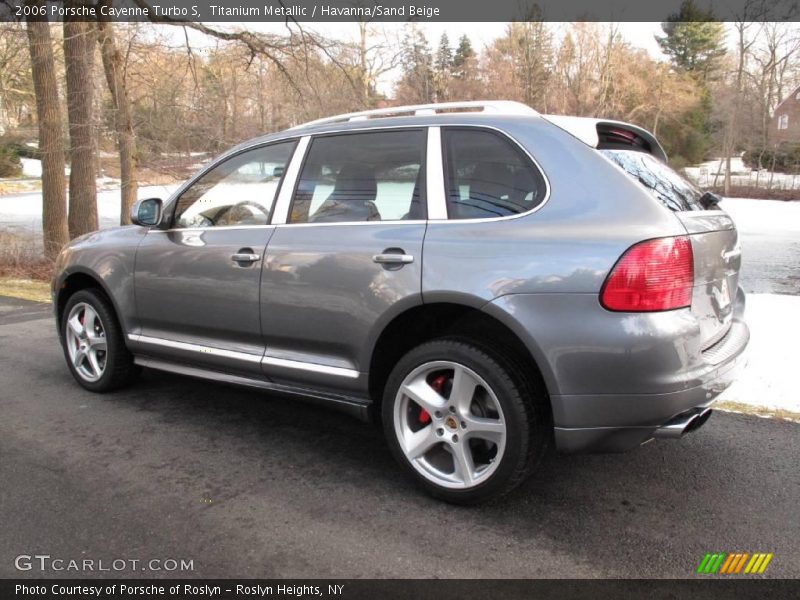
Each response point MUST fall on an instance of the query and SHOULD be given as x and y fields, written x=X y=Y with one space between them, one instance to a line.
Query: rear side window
x=665 y=184
x=487 y=176
x=375 y=176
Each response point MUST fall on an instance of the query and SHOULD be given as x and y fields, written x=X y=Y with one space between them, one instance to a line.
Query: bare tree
x=779 y=45
x=79 y=64
x=113 y=66
x=17 y=98
x=51 y=140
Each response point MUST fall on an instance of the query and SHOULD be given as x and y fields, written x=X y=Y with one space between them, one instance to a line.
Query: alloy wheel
x=85 y=338
x=450 y=425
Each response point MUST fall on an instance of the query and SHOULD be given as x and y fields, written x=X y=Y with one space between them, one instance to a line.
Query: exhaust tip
x=698 y=421
x=684 y=423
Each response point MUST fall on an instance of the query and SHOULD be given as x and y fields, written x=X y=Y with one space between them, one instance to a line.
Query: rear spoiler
x=605 y=133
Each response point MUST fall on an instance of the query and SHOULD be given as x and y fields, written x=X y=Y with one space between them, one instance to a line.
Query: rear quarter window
x=664 y=183
x=488 y=176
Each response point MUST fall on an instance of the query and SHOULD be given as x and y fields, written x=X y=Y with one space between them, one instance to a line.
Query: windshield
x=669 y=188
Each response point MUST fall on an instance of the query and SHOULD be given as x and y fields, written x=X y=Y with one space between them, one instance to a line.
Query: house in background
x=785 y=125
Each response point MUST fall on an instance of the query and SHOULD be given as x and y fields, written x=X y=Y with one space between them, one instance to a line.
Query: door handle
x=393 y=259
x=245 y=257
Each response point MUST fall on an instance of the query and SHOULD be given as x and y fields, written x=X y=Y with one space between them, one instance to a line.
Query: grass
x=759 y=411
x=26 y=289
x=13 y=186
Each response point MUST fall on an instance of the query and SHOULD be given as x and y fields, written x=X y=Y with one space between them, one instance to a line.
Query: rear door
x=715 y=241
x=197 y=283
x=348 y=257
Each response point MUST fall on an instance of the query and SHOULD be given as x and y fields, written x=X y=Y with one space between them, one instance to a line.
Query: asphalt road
x=770 y=264
x=249 y=485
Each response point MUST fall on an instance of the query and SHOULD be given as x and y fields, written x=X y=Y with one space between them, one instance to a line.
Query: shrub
x=10 y=164
x=784 y=159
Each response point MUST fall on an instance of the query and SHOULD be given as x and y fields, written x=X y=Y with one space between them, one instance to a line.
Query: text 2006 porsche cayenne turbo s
x=484 y=280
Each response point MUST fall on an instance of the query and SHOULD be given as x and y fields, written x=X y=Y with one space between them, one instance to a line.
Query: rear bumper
x=615 y=378
x=616 y=423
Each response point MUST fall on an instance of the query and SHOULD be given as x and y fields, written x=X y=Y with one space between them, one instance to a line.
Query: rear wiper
x=709 y=200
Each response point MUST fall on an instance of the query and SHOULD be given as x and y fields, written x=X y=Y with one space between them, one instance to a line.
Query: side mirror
x=147 y=212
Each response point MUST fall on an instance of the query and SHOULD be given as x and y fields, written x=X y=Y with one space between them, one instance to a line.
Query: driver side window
x=239 y=191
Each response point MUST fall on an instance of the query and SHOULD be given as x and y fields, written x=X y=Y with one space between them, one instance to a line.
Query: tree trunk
x=726 y=186
x=126 y=140
x=79 y=63
x=51 y=140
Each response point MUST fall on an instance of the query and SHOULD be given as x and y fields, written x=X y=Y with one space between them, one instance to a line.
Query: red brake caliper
x=438 y=384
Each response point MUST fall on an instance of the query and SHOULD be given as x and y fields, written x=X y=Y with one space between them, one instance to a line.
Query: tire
x=439 y=427
x=112 y=366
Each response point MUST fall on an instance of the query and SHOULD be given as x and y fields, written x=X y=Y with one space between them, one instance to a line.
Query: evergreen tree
x=694 y=40
x=444 y=55
x=443 y=68
x=464 y=54
x=417 y=82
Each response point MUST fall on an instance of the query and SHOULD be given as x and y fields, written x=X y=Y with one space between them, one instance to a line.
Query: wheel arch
x=81 y=279
x=483 y=323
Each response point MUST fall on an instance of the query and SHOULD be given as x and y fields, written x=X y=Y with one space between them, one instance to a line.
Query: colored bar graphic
x=732 y=564
x=754 y=563
x=718 y=562
x=703 y=563
x=764 y=564
x=741 y=562
x=731 y=560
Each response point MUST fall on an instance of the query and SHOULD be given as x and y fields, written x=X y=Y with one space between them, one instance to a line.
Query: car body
x=373 y=233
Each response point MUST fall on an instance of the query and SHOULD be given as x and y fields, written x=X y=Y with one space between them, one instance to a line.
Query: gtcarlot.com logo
x=736 y=563
x=45 y=562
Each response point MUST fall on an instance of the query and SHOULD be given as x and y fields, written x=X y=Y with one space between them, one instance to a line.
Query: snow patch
x=763 y=216
x=768 y=380
x=25 y=210
x=31 y=167
x=705 y=175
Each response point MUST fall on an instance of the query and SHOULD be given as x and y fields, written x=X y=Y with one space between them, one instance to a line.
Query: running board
x=351 y=405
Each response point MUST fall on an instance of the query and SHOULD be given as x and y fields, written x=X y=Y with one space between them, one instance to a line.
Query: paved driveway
x=250 y=485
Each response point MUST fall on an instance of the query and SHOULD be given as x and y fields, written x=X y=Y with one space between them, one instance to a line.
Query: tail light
x=651 y=276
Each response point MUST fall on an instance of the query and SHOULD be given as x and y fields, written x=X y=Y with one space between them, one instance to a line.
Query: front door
x=347 y=258
x=197 y=283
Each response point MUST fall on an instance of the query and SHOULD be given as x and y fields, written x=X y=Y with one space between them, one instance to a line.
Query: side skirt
x=357 y=407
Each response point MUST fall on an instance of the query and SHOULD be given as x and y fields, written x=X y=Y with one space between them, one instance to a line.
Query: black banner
x=390 y=589
x=388 y=10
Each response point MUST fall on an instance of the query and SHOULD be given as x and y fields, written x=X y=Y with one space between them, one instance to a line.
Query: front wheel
x=93 y=343
x=463 y=420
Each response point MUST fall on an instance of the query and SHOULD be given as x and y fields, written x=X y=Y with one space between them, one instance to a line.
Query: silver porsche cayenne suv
x=484 y=281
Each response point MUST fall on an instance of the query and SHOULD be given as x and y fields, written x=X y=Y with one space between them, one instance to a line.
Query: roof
x=476 y=112
x=789 y=97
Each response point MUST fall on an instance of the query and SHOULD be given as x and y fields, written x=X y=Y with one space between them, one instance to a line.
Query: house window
x=783 y=122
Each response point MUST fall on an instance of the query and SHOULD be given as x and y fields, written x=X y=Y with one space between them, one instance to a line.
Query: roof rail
x=500 y=107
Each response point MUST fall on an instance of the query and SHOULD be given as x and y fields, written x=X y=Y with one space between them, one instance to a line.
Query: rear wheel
x=93 y=343
x=463 y=421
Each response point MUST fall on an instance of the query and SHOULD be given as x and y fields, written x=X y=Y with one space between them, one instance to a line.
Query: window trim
x=279 y=220
x=189 y=184
x=284 y=216
x=515 y=147
x=437 y=188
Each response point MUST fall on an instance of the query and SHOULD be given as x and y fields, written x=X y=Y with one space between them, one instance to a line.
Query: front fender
x=108 y=257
